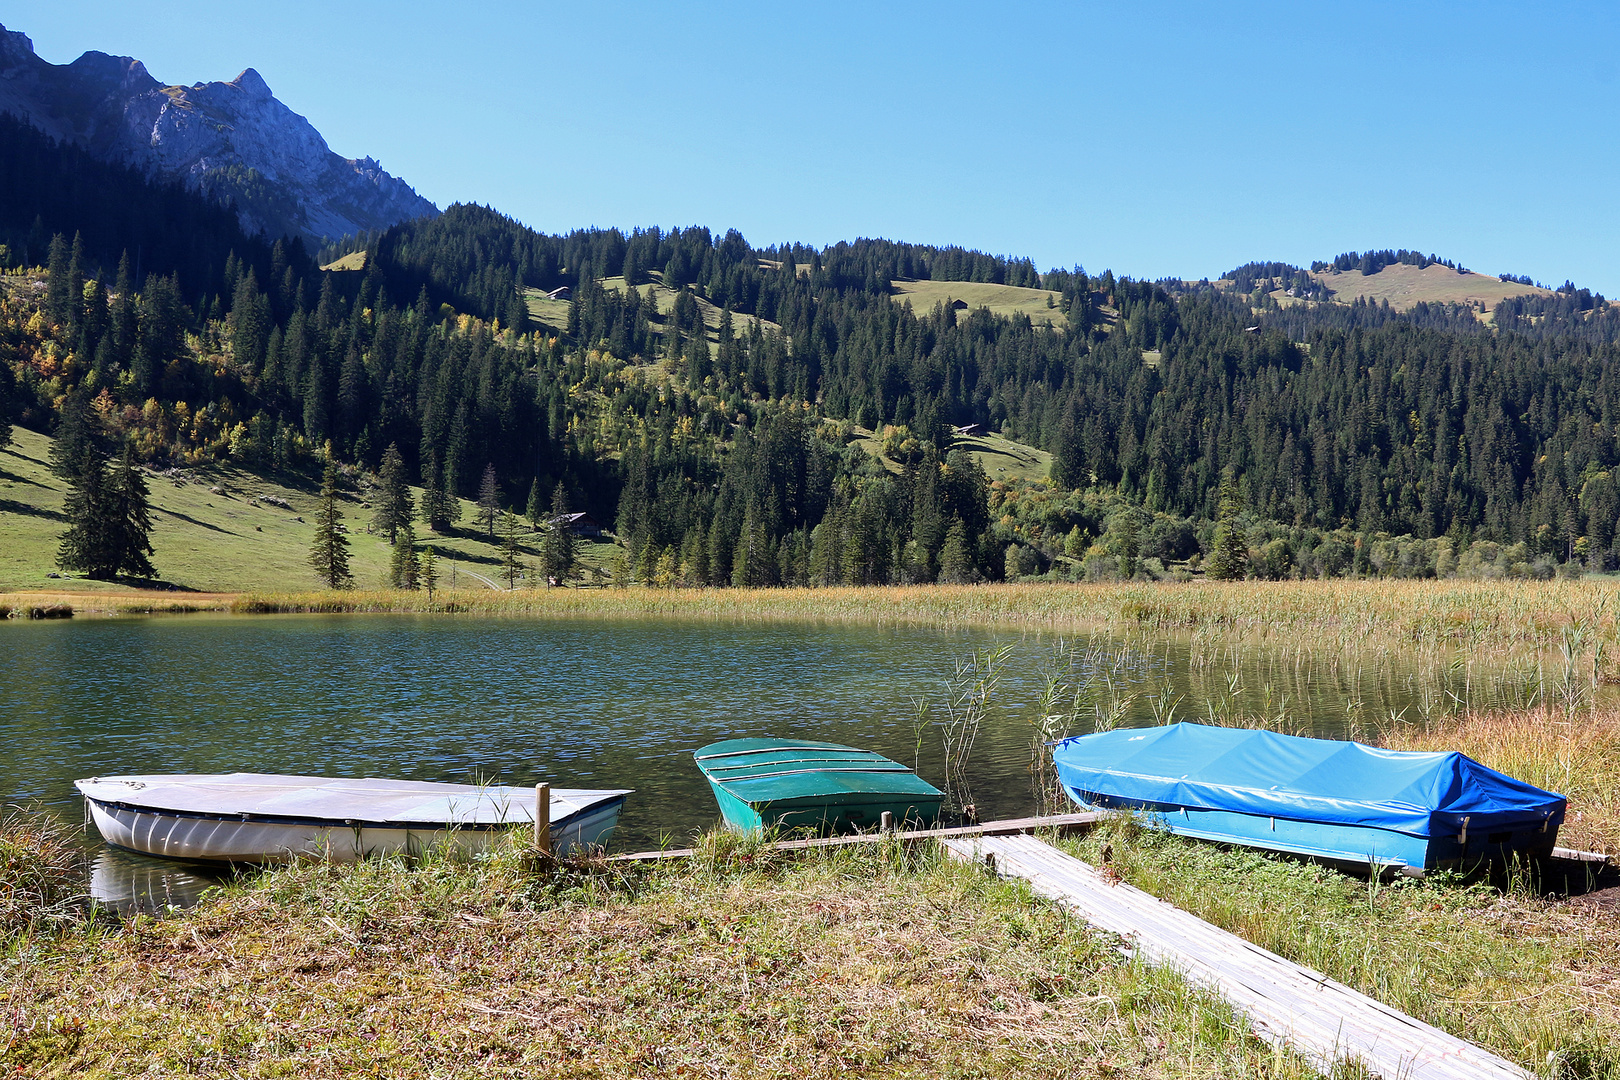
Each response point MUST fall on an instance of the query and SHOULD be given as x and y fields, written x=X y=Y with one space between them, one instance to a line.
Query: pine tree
x=489 y=500
x=558 y=552
x=329 y=555
x=395 y=508
x=1229 y=557
x=512 y=565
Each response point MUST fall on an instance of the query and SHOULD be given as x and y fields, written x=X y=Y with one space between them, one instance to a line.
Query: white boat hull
x=198 y=832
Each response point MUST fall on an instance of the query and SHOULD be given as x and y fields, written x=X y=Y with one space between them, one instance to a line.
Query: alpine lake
x=622 y=703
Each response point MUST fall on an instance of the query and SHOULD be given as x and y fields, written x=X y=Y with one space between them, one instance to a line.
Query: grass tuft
x=42 y=872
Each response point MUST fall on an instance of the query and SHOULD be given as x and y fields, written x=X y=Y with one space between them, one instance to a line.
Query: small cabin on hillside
x=578 y=524
x=562 y=293
x=969 y=431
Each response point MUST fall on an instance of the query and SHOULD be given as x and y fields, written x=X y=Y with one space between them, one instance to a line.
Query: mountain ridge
x=233 y=141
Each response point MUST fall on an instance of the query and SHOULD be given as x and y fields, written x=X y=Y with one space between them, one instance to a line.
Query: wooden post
x=886 y=822
x=542 y=818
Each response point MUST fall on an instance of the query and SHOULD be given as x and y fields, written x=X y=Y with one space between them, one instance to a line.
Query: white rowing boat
x=260 y=817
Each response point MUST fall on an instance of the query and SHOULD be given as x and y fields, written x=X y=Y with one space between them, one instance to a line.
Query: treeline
x=1371 y=262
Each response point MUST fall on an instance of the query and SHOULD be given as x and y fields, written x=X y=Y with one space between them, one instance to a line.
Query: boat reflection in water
x=134 y=884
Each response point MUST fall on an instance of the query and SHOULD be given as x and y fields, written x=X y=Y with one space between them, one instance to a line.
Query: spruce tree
x=512 y=565
x=329 y=555
x=489 y=500
x=395 y=508
x=1229 y=554
x=402 y=573
x=534 y=508
x=956 y=565
x=558 y=552
x=90 y=543
x=428 y=573
x=131 y=517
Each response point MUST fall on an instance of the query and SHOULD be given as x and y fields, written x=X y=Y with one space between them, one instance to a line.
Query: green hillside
x=220 y=529
x=1000 y=299
x=1000 y=458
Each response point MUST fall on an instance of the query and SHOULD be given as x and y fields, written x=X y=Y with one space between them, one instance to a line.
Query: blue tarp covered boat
x=1337 y=800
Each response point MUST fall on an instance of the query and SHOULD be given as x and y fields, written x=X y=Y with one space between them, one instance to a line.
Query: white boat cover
x=333 y=801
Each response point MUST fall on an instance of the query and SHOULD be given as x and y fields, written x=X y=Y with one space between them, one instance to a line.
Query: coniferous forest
x=715 y=431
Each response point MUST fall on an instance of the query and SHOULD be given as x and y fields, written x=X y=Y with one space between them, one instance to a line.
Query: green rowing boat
x=793 y=785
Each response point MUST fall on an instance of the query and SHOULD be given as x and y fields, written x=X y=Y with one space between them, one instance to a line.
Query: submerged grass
x=738 y=963
x=1524 y=976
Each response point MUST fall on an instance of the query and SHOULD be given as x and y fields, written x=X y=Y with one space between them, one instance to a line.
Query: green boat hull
x=794 y=786
x=823 y=814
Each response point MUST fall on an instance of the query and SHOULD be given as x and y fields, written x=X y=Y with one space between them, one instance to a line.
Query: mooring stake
x=542 y=818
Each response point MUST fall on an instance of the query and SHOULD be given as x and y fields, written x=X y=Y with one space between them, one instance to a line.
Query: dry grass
x=1404 y=286
x=866 y=963
x=1577 y=756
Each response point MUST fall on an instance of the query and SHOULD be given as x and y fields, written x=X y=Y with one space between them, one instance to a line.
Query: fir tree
x=489 y=500
x=329 y=555
x=1229 y=554
x=395 y=508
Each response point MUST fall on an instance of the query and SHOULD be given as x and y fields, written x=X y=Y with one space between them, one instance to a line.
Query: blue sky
x=1155 y=139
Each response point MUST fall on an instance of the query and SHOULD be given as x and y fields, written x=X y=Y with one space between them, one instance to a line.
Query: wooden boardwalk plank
x=1062 y=823
x=1285 y=1002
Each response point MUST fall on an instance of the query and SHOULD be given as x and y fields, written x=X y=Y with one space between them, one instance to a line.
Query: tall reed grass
x=1578 y=757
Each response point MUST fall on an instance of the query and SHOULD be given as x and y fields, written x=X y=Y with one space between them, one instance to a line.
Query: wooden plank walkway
x=1062 y=823
x=1285 y=1003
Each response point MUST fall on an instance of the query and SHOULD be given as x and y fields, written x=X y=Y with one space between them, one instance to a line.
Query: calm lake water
x=580 y=703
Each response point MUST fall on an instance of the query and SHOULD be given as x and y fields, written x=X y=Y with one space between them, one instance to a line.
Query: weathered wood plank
x=1323 y=1019
x=1061 y=823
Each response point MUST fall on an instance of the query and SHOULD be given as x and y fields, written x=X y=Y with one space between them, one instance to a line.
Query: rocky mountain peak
x=251 y=82
x=233 y=140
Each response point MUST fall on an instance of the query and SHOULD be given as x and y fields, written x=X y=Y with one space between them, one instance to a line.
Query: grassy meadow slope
x=1404 y=286
x=1000 y=299
x=215 y=529
x=1001 y=458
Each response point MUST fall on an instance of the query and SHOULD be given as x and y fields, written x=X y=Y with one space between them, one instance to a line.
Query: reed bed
x=66 y=604
x=1576 y=755
x=1467 y=613
x=737 y=963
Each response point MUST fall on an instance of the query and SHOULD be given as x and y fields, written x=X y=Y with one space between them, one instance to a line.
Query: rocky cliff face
x=233 y=140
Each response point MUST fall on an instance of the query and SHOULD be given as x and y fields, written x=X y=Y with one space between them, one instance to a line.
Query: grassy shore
x=737 y=963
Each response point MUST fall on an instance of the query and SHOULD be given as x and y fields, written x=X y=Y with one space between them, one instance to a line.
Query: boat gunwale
x=350 y=823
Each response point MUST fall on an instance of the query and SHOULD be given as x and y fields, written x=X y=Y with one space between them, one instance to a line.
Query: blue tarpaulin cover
x=1295 y=778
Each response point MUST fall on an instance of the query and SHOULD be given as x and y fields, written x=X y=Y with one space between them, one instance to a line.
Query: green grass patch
x=216 y=528
x=1004 y=300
